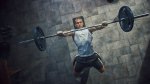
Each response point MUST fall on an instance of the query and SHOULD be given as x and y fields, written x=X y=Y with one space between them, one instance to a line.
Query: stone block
x=77 y=14
x=138 y=9
x=98 y=19
x=41 y=15
x=51 y=66
x=115 y=60
x=114 y=6
x=124 y=58
x=66 y=7
x=147 y=38
x=31 y=17
x=146 y=30
x=63 y=27
x=55 y=48
x=108 y=61
x=112 y=35
x=89 y=8
x=100 y=3
x=132 y=2
x=132 y=69
x=52 y=77
x=88 y=22
x=135 y=50
x=61 y=68
x=77 y=5
x=120 y=71
x=111 y=14
x=105 y=53
x=71 y=79
x=69 y=67
x=103 y=9
x=38 y=73
x=146 y=5
x=67 y=18
x=139 y=1
x=122 y=3
x=99 y=46
x=134 y=36
x=90 y=12
x=52 y=13
x=132 y=80
x=142 y=48
x=138 y=62
x=125 y=50
x=121 y=81
x=117 y=44
x=116 y=52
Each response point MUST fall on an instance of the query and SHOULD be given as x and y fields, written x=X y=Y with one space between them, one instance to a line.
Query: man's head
x=78 y=22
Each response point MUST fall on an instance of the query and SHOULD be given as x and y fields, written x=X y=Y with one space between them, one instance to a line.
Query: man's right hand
x=60 y=33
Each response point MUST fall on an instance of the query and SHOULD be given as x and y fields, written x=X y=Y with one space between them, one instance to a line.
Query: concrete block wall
x=122 y=52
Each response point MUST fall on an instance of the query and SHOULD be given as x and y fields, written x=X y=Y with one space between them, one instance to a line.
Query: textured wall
x=122 y=52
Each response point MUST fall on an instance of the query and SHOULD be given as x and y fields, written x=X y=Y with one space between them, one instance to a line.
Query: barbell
x=125 y=18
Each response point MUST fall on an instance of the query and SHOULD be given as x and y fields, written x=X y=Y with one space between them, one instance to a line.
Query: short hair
x=79 y=17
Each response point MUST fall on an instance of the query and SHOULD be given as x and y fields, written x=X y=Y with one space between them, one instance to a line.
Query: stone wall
x=122 y=52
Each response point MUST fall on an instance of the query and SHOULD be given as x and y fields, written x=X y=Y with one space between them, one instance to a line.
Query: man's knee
x=101 y=70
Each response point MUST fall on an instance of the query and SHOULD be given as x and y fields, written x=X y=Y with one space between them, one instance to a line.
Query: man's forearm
x=100 y=27
x=68 y=33
x=96 y=28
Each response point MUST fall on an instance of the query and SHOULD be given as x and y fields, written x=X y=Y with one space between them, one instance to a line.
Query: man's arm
x=101 y=26
x=65 y=33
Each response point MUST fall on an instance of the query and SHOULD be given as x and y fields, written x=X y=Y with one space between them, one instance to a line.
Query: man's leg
x=77 y=68
x=99 y=65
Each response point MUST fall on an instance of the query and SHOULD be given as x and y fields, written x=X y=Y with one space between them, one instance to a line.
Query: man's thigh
x=78 y=67
x=98 y=64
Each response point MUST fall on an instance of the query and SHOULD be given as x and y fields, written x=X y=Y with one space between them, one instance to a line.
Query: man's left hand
x=104 y=23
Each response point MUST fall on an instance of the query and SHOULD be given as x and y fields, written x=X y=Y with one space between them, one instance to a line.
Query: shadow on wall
x=144 y=77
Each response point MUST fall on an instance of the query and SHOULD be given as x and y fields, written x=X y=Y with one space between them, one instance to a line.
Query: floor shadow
x=144 y=77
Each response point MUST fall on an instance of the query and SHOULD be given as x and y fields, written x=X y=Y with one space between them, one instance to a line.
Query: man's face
x=78 y=23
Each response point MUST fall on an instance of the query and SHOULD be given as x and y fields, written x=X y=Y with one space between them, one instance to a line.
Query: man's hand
x=101 y=26
x=65 y=33
x=60 y=33
x=104 y=23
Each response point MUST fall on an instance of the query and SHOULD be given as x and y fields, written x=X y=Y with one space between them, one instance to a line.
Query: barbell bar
x=125 y=18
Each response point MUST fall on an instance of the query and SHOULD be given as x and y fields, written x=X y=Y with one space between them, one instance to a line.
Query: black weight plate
x=40 y=42
x=126 y=24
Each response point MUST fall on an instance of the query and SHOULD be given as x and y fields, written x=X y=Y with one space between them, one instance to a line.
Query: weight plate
x=40 y=42
x=126 y=18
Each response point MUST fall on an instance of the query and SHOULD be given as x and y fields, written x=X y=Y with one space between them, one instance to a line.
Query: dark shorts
x=91 y=61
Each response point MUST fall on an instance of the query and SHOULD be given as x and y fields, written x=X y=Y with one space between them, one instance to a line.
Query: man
x=83 y=40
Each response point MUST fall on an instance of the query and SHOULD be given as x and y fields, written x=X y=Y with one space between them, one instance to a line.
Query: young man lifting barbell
x=86 y=57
